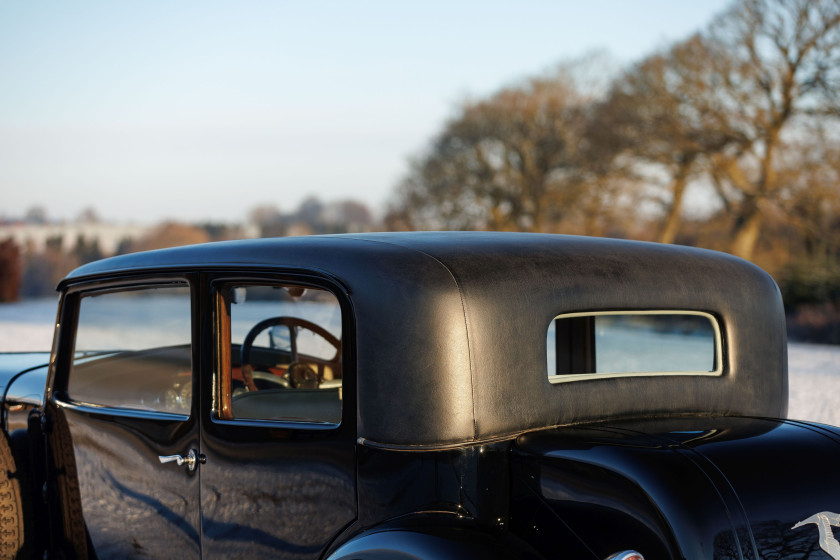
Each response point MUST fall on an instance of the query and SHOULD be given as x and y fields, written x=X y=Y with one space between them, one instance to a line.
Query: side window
x=633 y=343
x=133 y=350
x=279 y=354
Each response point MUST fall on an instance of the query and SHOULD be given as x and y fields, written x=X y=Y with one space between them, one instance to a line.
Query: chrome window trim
x=88 y=408
x=718 y=343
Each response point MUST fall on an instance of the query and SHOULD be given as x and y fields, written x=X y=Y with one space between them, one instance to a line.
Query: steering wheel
x=300 y=375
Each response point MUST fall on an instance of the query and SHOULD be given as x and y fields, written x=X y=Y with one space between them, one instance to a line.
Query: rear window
x=632 y=343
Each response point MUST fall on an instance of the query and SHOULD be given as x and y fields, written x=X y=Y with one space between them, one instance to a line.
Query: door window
x=280 y=354
x=133 y=350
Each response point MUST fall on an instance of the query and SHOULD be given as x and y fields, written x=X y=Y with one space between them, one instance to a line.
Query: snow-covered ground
x=814 y=368
x=814 y=379
x=27 y=325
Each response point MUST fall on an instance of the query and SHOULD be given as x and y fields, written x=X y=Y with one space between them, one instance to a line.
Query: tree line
x=30 y=272
x=728 y=139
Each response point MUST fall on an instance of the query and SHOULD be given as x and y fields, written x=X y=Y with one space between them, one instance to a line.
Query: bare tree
x=808 y=178
x=88 y=216
x=777 y=64
x=11 y=269
x=509 y=162
x=347 y=216
x=666 y=113
x=269 y=219
x=171 y=234
x=730 y=108
x=42 y=271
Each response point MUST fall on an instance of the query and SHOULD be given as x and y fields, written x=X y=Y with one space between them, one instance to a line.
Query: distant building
x=34 y=237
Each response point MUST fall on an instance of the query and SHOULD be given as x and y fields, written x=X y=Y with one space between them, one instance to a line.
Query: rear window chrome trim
x=718 y=347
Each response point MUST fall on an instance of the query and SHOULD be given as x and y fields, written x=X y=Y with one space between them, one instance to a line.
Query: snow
x=814 y=368
x=25 y=337
x=28 y=325
x=814 y=380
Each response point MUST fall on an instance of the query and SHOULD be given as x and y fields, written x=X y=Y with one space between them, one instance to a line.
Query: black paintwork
x=692 y=488
x=22 y=379
x=14 y=363
x=453 y=444
x=131 y=505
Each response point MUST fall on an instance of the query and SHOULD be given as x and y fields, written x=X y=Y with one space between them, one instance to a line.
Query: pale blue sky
x=150 y=110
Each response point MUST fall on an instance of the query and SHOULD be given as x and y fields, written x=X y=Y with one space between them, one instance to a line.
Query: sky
x=200 y=111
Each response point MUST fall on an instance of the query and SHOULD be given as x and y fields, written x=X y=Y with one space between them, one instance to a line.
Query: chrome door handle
x=191 y=460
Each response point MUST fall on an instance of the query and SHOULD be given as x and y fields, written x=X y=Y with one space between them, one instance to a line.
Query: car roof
x=450 y=327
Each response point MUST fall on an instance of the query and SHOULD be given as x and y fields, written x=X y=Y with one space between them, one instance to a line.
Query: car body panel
x=132 y=504
x=23 y=376
x=691 y=488
x=433 y=537
x=275 y=492
x=13 y=369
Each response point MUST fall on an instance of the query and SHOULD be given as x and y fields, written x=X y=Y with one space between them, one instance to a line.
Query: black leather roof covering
x=451 y=327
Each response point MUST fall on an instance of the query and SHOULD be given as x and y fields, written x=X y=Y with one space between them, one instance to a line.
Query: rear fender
x=429 y=543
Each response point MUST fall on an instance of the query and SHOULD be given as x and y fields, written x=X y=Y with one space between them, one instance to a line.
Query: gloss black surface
x=471 y=482
x=272 y=492
x=134 y=506
x=14 y=363
x=694 y=488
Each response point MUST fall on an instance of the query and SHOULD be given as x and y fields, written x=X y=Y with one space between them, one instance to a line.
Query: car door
x=125 y=419
x=279 y=431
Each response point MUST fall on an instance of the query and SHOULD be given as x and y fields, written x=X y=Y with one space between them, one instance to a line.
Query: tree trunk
x=672 y=220
x=746 y=229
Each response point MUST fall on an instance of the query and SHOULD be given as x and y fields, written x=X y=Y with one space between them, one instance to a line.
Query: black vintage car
x=415 y=396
